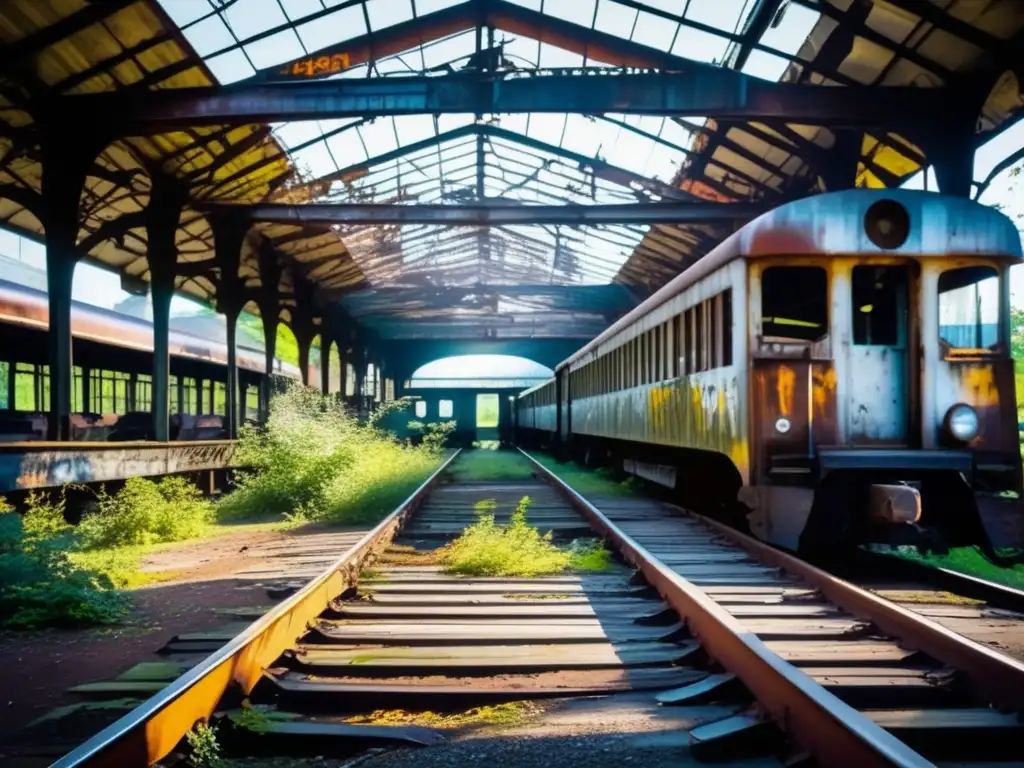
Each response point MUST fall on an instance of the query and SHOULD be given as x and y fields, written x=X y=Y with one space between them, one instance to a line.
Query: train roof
x=535 y=387
x=27 y=306
x=832 y=224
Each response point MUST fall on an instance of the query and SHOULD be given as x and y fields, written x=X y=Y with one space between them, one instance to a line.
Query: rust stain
x=824 y=388
x=785 y=384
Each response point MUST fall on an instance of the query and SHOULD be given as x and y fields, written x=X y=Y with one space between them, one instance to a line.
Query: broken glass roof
x=522 y=158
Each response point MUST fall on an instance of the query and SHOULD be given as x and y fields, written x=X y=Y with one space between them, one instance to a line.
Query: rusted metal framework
x=554 y=103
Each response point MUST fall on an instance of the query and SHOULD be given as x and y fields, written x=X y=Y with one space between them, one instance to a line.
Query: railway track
x=796 y=662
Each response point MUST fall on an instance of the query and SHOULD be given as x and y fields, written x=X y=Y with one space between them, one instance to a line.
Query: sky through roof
x=527 y=159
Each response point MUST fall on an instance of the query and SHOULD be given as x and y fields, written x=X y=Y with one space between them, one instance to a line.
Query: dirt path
x=213 y=577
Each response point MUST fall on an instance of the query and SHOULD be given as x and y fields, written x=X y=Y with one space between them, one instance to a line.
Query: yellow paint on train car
x=785 y=383
x=978 y=384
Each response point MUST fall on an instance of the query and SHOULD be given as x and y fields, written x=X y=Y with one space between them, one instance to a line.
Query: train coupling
x=894 y=504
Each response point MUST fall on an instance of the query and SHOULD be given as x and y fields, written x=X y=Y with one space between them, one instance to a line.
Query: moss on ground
x=509 y=713
x=485 y=465
x=970 y=561
x=590 y=481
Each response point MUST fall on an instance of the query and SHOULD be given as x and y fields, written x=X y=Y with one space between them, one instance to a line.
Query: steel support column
x=303 y=324
x=64 y=170
x=231 y=389
x=229 y=233
x=304 y=342
x=325 y=359
x=167 y=198
x=269 y=302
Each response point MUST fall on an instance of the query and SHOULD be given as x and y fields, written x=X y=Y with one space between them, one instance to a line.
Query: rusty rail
x=831 y=730
x=993 y=676
x=150 y=731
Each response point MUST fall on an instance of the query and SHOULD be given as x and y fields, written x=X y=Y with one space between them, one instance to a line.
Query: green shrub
x=314 y=461
x=39 y=584
x=517 y=549
x=144 y=512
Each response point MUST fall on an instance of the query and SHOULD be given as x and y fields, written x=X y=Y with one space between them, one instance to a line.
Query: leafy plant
x=517 y=549
x=145 y=512
x=202 y=741
x=315 y=461
x=40 y=586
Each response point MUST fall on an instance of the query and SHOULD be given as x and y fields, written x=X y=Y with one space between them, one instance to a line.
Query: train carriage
x=839 y=369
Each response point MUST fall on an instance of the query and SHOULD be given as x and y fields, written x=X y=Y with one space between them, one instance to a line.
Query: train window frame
x=979 y=347
x=793 y=329
x=865 y=293
x=445 y=405
x=727 y=334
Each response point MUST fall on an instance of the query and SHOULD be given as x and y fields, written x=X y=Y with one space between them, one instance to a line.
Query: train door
x=880 y=382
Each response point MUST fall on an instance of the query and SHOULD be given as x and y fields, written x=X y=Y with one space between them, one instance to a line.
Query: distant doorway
x=488 y=415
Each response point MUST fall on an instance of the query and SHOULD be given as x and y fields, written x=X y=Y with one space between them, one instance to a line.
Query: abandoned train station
x=401 y=181
x=522 y=382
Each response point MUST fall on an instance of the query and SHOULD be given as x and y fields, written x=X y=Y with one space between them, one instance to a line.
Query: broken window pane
x=879 y=305
x=969 y=307
x=794 y=303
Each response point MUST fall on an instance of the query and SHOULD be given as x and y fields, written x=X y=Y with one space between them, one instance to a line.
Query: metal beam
x=495 y=214
x=699 y=90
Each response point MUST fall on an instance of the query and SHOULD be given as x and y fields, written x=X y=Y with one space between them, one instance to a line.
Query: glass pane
x=220 y=398
x=879 y=305
x=25 y=387
x=421 y=409
x=487 y=410
x=444 y=409
x=794 y=303
x=969 y=308
x=5 y=374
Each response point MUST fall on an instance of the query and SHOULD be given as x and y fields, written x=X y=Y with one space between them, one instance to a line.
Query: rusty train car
x=836 y=371
x=114 y=351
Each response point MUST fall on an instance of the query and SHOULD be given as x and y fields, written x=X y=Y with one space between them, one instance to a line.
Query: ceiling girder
x=700 y=90
x=494 y=214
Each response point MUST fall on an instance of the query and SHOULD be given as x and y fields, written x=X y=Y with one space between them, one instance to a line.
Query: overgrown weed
x=145 y=512
x=517 y=549
x=313 y=461
x=40 y=585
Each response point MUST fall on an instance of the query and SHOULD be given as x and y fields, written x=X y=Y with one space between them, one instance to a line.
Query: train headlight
x=962 y=422
x=782 y=425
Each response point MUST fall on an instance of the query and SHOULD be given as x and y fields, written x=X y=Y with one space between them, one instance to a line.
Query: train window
x=421 y=409
x=252 y=402
x=444 y=409
x=727 y=327
x=143 y=392
x=879 y=305
x=24 y=387
x=699 y=338
x=189 y=395
x=794 y=303
x=969 y=307
x=173 y=395
x=220 y=398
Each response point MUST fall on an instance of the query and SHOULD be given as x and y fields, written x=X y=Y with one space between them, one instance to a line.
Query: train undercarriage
x=915 y=499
